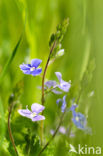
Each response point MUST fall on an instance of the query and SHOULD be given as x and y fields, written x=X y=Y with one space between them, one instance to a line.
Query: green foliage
x=10 y=60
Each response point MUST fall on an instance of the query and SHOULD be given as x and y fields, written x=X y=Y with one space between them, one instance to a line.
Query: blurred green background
x=82 y=42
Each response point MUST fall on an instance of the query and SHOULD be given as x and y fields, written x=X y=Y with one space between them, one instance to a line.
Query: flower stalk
x=53 y=136
x=43 y=81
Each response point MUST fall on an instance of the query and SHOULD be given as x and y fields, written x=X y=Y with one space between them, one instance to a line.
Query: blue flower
x=63 y=103
x=32 y=69
x=79 y=119
x=34 y=113
x=62 y=85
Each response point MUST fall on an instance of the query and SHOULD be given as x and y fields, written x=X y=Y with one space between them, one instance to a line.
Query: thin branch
x=9 y=128
x=43 y=80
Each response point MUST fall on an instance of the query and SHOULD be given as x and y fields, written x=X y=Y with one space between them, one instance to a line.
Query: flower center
x=32 y=68
x=33 y=115
x=77 y=118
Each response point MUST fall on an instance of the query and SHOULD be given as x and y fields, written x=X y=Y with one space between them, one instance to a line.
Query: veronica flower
x=79 y=119
x=34 y=113
x=63 y=103
x=32 y=69
x=62 y=85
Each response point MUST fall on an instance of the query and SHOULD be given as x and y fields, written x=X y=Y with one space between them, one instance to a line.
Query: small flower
x=62 y=85
x=79 y=119
x=32 y=69
x=63 y=103
x=34 y=113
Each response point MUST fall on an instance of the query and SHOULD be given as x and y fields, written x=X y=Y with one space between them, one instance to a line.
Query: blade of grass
x=10 y=60
x=2 y=128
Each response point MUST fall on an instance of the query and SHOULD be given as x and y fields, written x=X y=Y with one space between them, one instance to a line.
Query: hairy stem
x=53 y=136
x=43 y=81
x=9 y=128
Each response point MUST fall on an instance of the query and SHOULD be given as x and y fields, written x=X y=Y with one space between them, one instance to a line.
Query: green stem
x=53 y=136
x=49 y=90
x=9 y=128
x=43 y=80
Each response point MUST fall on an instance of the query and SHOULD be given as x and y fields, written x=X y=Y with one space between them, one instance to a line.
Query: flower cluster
x=32 y=69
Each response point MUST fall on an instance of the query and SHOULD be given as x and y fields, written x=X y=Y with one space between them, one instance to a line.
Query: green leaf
x=10 y=60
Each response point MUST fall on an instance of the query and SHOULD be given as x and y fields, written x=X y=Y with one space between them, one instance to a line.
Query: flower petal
x=38 y=117
x=25 y=66
x=65 y=86
x=58 y=101
x=25 y=112
x=80 y=121
x=37 y=108
x=36 y=72
x=59 y=76
x=50 y=83
x=73 y=107
x=28 y=72
x=64 y=103
x=35 y=62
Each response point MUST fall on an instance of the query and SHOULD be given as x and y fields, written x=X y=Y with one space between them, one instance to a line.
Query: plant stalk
x=9 y=128
x=43 y=81
x=53 y=136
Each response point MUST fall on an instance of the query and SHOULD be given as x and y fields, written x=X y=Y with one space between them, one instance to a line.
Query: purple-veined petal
x=37 y=108
x=35 y=62
x=65 y=86
x=38 y=117
x=50 y=83
x=59 y=76
x=25 y=112
x=28 y=72
x=36 y=72
x=25 y=66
